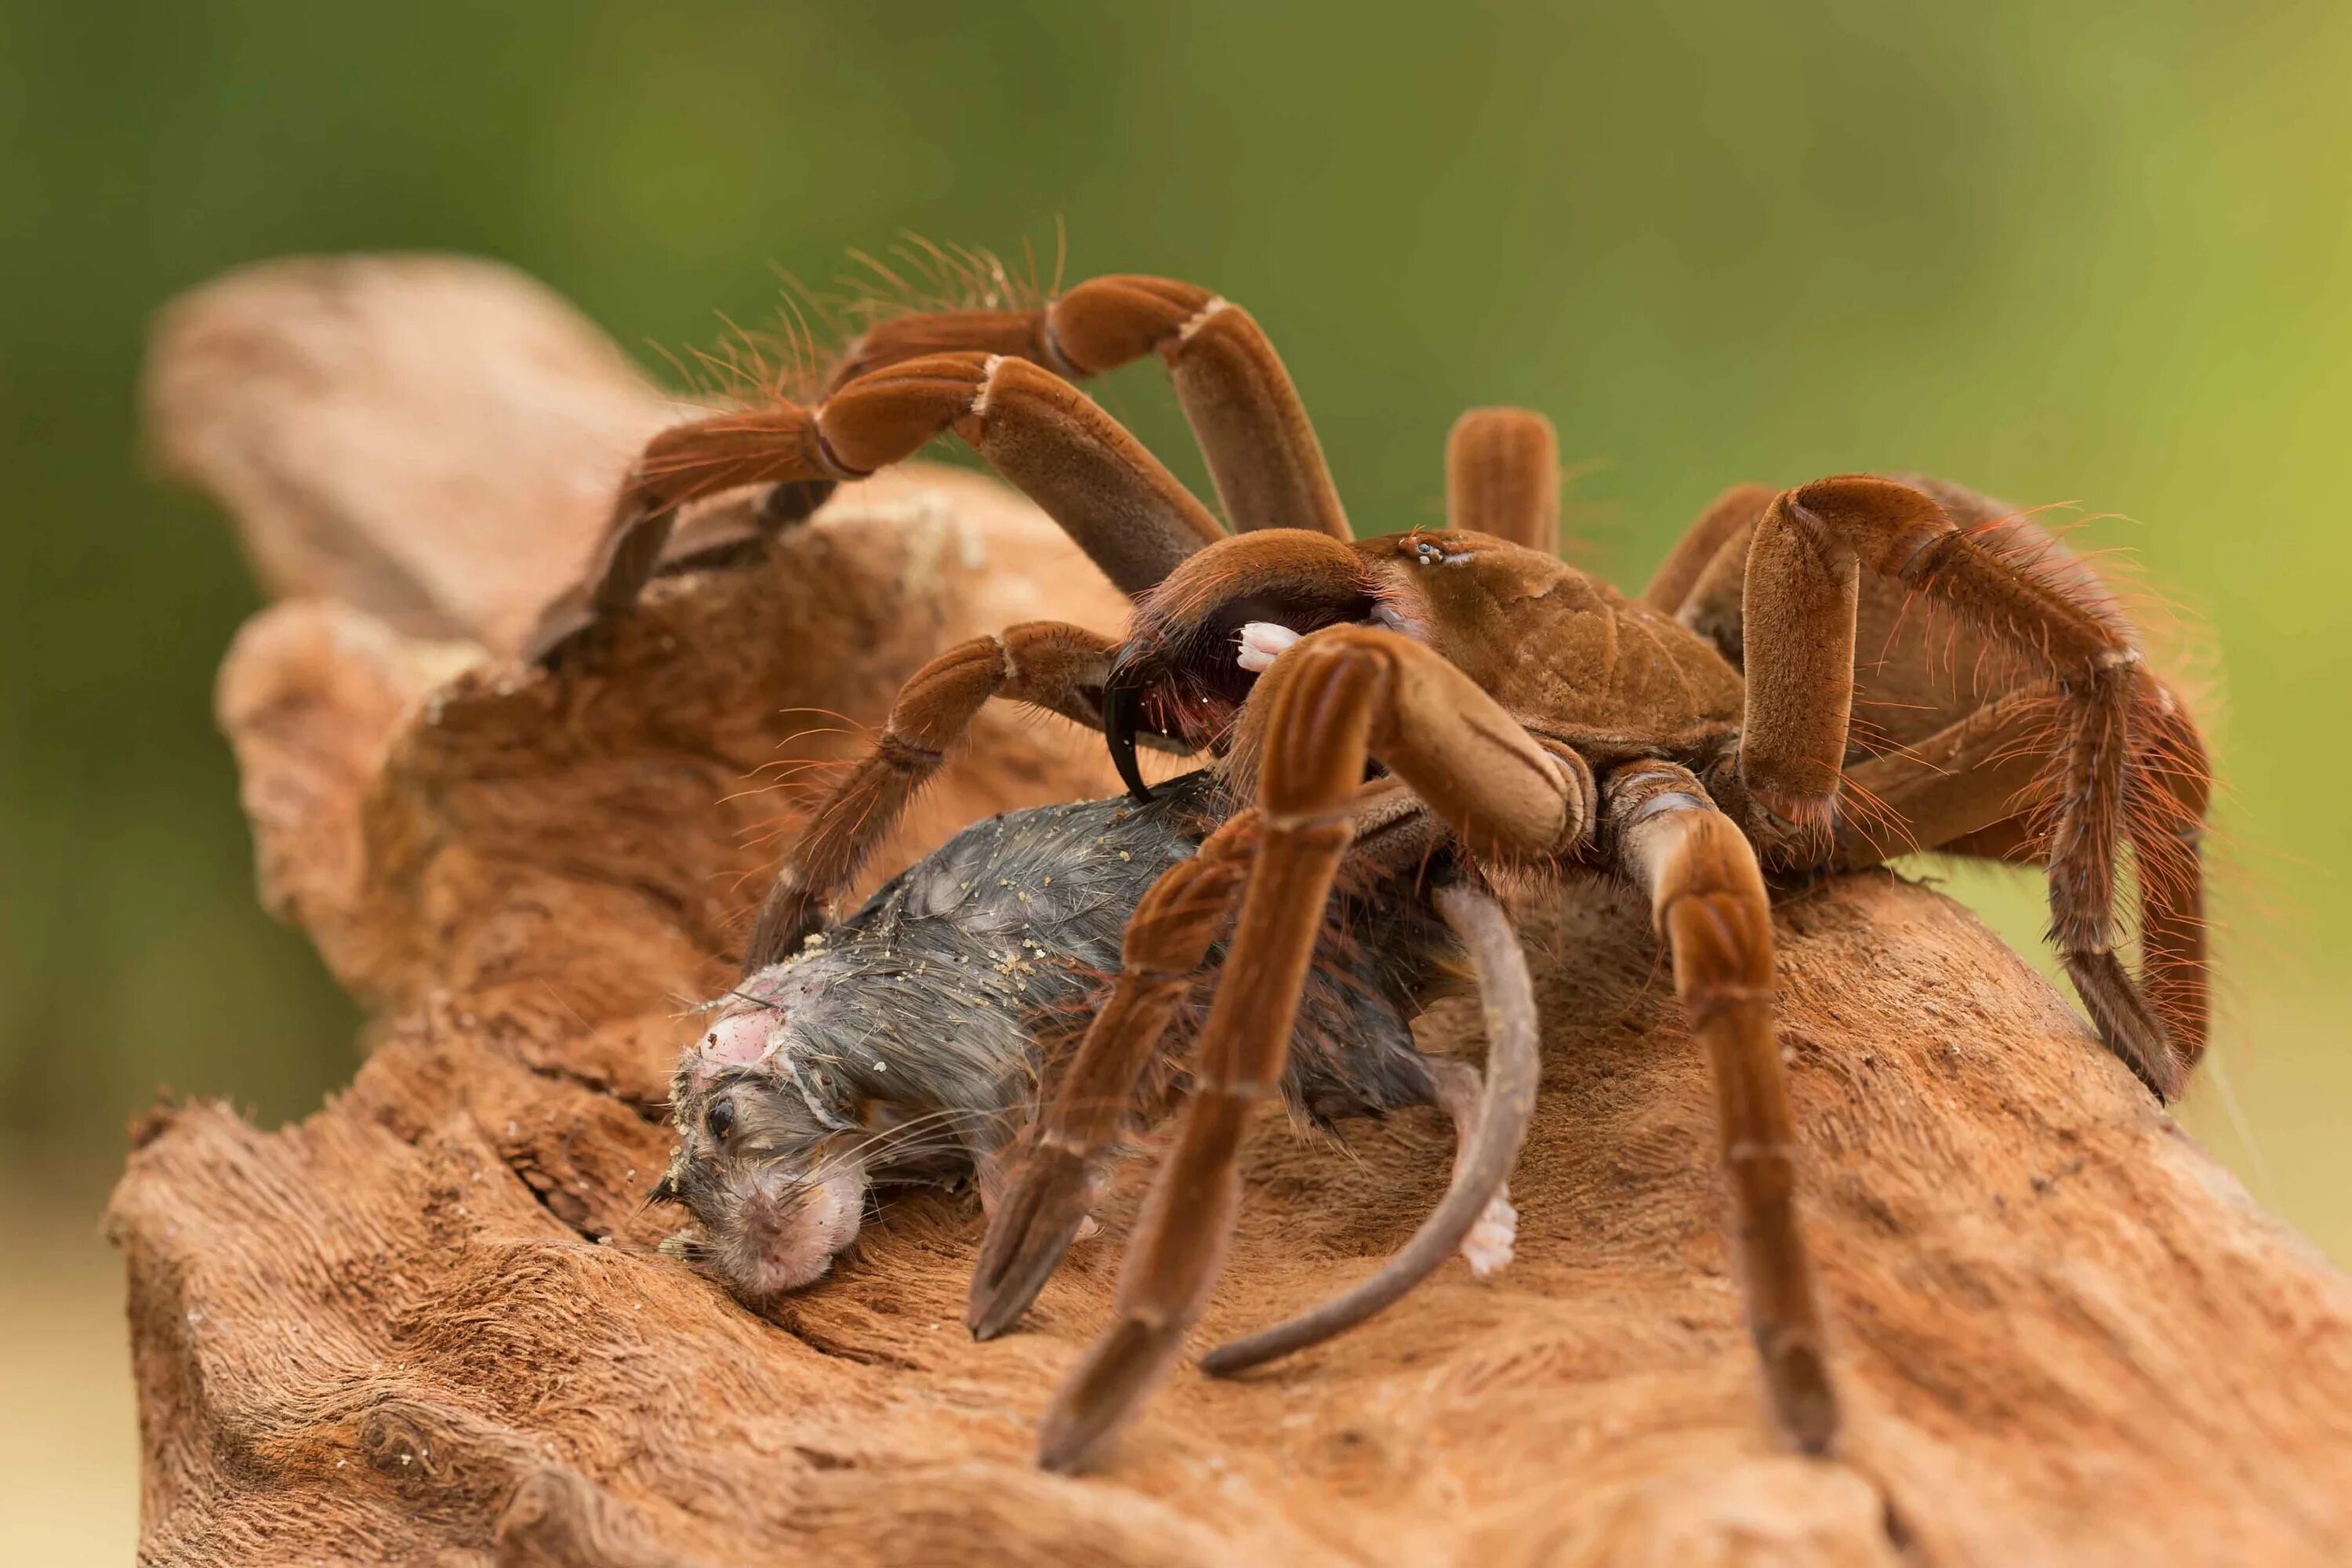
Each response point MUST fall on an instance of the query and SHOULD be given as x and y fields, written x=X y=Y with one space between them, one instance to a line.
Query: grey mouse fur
x=908 y=1042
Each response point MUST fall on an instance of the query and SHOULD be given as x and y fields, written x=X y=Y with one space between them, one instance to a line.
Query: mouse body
x=906 y=1043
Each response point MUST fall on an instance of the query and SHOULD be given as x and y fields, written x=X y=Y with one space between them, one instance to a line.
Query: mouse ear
x=824 y=1094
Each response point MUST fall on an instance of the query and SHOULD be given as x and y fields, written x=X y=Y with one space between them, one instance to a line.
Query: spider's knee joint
x=832 y=461
x=1663 y=801
x=896 y=751
x=1217 y=306
x=979 y=395
x=1926 y=557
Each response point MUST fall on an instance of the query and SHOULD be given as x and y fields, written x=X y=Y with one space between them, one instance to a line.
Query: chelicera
x=1374 y=700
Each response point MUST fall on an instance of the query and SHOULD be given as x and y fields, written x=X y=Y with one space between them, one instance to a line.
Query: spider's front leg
x=1330 y=702
x=1047 y=1196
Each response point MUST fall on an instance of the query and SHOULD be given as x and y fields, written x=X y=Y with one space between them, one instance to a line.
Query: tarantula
x=1367 y=699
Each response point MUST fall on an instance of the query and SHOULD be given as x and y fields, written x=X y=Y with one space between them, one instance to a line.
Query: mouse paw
x=1487 y=1247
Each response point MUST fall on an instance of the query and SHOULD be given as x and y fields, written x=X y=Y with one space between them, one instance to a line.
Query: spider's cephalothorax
x=1465 y=691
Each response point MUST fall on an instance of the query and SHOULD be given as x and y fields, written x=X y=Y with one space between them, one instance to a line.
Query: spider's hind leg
x=1121 y=506
x=1244 y=411
x=2086 y=736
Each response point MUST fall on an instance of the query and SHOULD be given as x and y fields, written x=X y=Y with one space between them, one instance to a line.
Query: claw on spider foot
x=1797 y=1386
x=2127 y=1025
x=1034 y=1225
x=1122 y=1367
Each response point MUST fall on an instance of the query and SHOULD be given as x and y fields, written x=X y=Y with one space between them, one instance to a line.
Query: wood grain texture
x=427 y=1323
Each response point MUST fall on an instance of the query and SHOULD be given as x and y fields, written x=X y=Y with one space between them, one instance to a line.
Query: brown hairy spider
x=1463 y=689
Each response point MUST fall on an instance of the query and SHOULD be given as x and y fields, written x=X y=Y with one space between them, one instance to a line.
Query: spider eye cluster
x=1427 y=554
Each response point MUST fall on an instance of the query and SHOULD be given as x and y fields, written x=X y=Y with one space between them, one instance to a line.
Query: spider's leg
x=1122 y=507
x=1050 y=1191
x=1977 y=787
x=1244 y=411
x=2127 y=764
x=1329 y=701
x=1708 y=899
x=1490 y=1131
x=1045 y=664
x=1502 y=477
x=1701 y=576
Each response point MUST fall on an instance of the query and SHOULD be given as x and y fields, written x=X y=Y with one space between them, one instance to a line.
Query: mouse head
x=774 y=1141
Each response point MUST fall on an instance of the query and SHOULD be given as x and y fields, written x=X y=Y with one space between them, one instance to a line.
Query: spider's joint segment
x=832 y=459
x=899 y=751
x=1928 y=553
x=1049 y=348
x=1309 y=821
x=1706 y=1006
x=2123 y=657
x=1217 y=305
x=988 y=369
x=1662 y=801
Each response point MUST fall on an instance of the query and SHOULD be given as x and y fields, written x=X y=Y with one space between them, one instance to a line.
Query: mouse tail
x=1491 y=1119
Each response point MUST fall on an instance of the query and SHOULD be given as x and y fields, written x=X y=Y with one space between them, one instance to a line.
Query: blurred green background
x=2087 y=252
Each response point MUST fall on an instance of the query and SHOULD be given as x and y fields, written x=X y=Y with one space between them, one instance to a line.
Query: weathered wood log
x=428 y=1323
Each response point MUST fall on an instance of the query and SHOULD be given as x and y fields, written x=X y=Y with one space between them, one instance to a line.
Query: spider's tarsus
x=1119 y=1370
x=1804 y=1406
x=1039 y=1218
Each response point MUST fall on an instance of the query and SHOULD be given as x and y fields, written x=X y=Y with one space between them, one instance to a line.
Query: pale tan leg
x=1502 y=477
x=1708 y=899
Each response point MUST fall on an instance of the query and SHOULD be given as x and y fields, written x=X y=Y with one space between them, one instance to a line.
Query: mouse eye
x=720 y=1117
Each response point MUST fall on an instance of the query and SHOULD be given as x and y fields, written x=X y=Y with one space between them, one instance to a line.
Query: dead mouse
x=906 y=1044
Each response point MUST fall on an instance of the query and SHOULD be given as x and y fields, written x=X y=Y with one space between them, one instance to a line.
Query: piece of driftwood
x=428 y=1323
